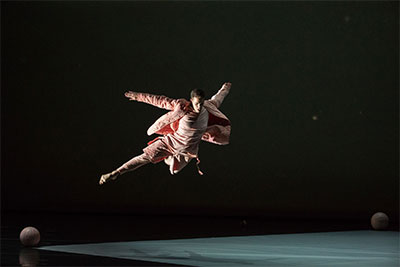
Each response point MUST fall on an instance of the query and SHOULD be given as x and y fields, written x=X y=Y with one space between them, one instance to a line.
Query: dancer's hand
x=131 y=95
x=227 y=84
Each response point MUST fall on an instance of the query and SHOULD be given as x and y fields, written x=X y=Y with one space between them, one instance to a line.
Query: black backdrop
x=313 y=106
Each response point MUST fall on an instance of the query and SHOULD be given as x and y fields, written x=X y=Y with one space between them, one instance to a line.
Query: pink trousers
x=134 y=163
x=154 y=153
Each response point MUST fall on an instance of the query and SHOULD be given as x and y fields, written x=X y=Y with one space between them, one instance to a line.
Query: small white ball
x=379 y=221
x=30 y=236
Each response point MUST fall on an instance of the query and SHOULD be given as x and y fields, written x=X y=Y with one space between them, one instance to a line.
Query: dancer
x=182 y=129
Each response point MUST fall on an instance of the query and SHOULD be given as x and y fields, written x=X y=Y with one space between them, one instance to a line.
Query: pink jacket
x=219 y=126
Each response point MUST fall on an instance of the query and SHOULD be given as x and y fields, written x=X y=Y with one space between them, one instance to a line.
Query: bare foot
x=105 y=177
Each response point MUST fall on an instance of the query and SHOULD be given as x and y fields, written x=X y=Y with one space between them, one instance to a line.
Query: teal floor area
x=345 y=248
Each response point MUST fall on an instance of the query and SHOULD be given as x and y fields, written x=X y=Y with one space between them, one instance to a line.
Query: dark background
x=313 y=106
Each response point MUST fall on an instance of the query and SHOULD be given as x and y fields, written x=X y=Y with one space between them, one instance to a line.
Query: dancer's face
x=197 y=103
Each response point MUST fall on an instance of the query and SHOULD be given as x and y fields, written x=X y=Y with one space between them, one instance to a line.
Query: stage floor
x=127 y=240
x=350 y=248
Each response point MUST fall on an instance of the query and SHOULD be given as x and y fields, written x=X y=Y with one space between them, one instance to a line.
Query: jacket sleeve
x=220 y=95
x=159 y=101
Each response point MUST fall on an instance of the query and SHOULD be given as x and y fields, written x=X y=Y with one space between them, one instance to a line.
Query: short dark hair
x=197 y=93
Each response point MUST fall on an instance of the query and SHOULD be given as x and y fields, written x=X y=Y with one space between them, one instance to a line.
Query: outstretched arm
x=221 y=94
x=159 y=101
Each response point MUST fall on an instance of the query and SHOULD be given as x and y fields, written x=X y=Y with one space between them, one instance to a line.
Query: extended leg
x=131 y=165
x=134 y=163
x=154 y=152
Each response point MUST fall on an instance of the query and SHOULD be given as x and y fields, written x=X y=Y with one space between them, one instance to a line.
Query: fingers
x=130 y=95
x=227 y=84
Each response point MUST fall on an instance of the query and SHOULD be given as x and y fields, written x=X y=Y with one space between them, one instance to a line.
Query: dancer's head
x=197 y=97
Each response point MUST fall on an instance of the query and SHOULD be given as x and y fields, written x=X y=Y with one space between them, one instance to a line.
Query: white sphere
x=29 y=236
x=379 y=221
